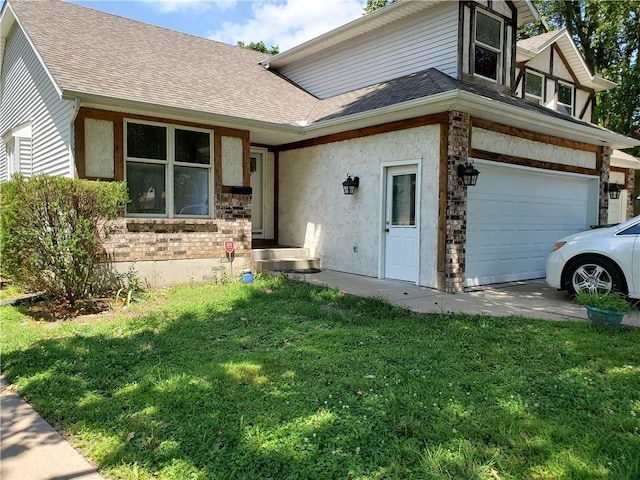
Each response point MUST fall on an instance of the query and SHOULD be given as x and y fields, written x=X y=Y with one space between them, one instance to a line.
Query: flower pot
x=599 y=317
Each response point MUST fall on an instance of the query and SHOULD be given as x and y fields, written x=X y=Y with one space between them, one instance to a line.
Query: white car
x=602 y=260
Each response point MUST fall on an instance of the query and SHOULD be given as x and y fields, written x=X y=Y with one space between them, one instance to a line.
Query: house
x=551 y=72
x=218 y=143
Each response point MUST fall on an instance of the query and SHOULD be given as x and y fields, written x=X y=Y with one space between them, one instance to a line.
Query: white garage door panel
x=514 y=216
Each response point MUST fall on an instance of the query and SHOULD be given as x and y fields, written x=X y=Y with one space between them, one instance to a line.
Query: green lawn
x=280 y=379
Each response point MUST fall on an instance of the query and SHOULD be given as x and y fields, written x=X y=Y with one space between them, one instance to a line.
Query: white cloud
x=287 y=23
x=169 y=6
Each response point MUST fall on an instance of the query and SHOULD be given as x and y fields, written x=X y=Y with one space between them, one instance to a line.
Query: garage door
x=515 y=215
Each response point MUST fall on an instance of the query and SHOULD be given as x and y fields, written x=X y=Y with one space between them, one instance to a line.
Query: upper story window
x=488 y=46
x=565 y=98
x=168 y=170
x=533 y=91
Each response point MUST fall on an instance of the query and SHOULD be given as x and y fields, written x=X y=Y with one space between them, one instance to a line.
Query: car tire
x=594 y=274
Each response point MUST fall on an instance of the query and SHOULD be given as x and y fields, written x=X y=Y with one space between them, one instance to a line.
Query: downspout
x=72 y=139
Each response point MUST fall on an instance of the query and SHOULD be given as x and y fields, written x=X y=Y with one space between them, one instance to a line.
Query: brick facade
x=631 y=197
x=158 y=239
x=605 y=164
x=458 y=133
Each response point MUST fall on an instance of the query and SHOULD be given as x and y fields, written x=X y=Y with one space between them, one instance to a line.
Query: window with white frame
x=168 y=170
x=533 y=87
x=488 y=46
x=565 y=98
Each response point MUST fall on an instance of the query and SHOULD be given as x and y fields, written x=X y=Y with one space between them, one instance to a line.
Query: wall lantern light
x=468 y=173
x=350 y=184
x=613 y=189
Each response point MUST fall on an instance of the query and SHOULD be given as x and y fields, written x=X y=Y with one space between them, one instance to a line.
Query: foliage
x=280 y=379
x=131 y=286
x=260 y=47
x=608 y=36
x=612 y=302
x=373 y=5
x=52 y=228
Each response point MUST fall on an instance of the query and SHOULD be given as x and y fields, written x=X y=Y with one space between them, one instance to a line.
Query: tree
x=373 y=5
x=260 y=47
x=607 y=34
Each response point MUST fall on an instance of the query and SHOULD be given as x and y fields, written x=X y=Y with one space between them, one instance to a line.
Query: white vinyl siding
x=427 y=40
x=27 y=94
x=24 y=155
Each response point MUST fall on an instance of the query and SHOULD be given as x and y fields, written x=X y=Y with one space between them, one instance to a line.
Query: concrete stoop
x=283 y=260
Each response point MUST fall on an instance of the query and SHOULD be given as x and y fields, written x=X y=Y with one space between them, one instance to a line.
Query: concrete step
x=286 y=265
x=279 y=253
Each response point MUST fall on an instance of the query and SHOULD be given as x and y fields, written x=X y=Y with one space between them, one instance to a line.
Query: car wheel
x=594 y=274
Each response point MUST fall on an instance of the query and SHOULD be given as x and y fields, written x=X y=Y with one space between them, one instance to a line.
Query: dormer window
x=533 y=87
x=488 y=46
x=565 y=98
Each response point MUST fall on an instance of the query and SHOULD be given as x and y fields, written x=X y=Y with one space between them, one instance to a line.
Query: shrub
x=613 y=301
x=52 y=230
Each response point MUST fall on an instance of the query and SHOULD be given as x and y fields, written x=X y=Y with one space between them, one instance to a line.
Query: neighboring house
x=551 y=72
x=402 y=98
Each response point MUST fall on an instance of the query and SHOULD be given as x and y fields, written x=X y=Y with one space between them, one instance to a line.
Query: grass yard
x=280 y=379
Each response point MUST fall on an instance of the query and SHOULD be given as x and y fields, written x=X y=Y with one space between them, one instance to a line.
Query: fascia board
x=624 y=160
x=133 y=106
x=512 y=115
x=7 y=21
x=442 y=102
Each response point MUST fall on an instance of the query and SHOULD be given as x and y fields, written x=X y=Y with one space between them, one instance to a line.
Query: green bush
x=52 y=231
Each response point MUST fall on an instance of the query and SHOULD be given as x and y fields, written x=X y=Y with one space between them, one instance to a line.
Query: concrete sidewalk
x=533 y=299
x=30 y=449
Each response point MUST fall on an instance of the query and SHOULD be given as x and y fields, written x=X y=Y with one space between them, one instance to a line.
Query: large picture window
x=168 y=170
x=488 y=46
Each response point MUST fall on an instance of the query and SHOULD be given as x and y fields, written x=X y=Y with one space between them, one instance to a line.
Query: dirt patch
x=52 y=311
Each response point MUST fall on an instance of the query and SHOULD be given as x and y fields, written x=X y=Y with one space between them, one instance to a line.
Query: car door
x=630 y=263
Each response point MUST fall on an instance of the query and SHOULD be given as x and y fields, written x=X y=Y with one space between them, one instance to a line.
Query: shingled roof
x=97 y=53
x=92 y=54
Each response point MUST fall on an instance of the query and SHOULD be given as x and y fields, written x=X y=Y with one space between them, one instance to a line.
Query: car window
x=632 y=230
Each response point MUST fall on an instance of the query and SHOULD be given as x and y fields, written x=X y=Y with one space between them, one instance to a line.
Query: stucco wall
x=345 y=231
x=521 y=147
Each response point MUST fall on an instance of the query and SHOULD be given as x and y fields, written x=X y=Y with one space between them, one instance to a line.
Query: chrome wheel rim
x=592 y=278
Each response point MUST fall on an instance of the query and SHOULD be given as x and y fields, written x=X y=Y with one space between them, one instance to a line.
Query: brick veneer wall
x=603 y=211
x=631 y=197
x=458 y=132
x=157 y=239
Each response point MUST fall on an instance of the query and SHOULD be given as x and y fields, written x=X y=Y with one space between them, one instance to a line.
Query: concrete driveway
x=532 y=298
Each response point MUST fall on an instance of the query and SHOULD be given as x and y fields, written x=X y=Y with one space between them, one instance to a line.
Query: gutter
x=484 y=108
x=135 y=107
x=451 y=100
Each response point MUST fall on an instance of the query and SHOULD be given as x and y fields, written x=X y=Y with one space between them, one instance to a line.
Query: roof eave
x=132 y=106
x=480 y=107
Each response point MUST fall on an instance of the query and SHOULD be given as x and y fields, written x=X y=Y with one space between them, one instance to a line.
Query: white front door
x=400 y=224
x=256 y=168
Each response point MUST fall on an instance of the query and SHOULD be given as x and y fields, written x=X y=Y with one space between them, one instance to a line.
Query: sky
x=282 y=23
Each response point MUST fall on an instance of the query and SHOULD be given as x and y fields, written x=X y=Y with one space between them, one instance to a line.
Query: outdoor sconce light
x=350 y=184
x=613 y=189
x=468 y=173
